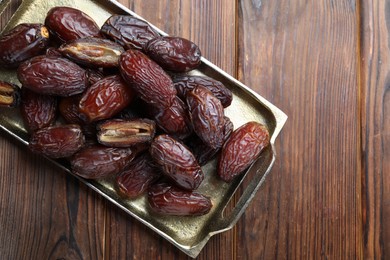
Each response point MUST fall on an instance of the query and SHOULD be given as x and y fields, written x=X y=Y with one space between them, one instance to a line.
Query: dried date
x=57 y=141
x=241 y=149
x=174 y=120
x=126 y=133
x=93 y=52
x=203 y=152
x=9 y=94
x=174 y=53
x=23 y=42
x=67 y=23
x=105 y=98
x=138 y=176
x=147 y=78
x=177 y=162
x=170 y=200
x=97 y=161
x=184 y=84
x=37 y=110
x=129 y=31
x=207 y=116
x=52 y=76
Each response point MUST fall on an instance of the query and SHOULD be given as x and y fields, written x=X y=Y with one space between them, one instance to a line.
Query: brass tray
x=189 y=234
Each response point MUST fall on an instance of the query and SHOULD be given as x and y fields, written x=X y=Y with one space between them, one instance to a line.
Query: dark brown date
x=21 y=43
x=94 y=75
x=97 y=161
x=105 y=98
x=170 y=200
x=93 y=52
x=52 y=76
x=67 y=24
x=137 y=178
x=9 y=94
x=174 y=120
x=174 y=53
x=203 y=152
x=37 y=110
x=69 y=109
x=207 y=116
x=126 y=133
x=184 y=84
x=241 y=149
x=177 y=162
x=147 y=78
x=129 y=31
x=57 y=141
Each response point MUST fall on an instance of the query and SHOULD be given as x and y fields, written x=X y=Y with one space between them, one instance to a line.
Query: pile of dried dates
x=117 y=102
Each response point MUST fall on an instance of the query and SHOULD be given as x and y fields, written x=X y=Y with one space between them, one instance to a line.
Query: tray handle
x=223 y=223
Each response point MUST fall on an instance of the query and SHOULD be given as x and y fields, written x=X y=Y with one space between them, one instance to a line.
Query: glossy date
x=57 y=141
x=207 y=116
x=129 y=31
x=184 y=84
x=137 y=178
x=177 y=162
x=166 y=199
x=97 y=161
x=67 y=23
x=147 y=78
x=37 y=110
x=241 y=149
x=174 y=53
x=52 y=76
x=23 y=42
x=105 y=98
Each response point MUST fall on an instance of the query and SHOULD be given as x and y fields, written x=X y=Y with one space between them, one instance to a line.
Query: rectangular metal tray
x=189 y=234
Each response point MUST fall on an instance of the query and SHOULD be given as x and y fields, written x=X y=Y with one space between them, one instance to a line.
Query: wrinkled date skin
x=9 y=94
x=177 y=162
x=52 y=76
x=97 y=161
x=128 y=31
x=126 y=133
x=57 y=141
x=169 y=200
x=67 y=24
x=69 y=109
x=174 y=120
x=23 y=42
x=174 y=53
x=203 y=152
x=207 y=116
x=37 y=110
x=93 y=52
x=147 y=78
x=241 y=149
x=105 y=98
x=137 y=178
x=184 y=84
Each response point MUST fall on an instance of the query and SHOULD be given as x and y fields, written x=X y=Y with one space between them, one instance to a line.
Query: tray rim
x=280 y=120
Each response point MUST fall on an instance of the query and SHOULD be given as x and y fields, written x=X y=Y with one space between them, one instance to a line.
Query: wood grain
x=301 y=55
x=375 y=79
x=325 y=63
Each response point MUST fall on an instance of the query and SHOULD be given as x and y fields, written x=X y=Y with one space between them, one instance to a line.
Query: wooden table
x=326 y=64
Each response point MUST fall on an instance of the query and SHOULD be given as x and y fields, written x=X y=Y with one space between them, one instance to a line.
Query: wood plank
x=301 y=55
x=375 y=99
x=45 y=214
x=205 y=23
